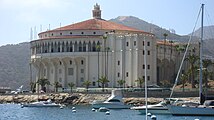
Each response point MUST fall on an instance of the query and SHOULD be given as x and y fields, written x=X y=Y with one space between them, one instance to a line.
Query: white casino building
x=70 y=53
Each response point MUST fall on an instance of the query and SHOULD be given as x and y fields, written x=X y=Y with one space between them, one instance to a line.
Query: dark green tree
x=57 y=85
x=71 y=85
x=121 y=83
x=140 y=81
x=184 y=79
x=87 y=83
x=192 y=59
x=43 y=82
x=103 y=80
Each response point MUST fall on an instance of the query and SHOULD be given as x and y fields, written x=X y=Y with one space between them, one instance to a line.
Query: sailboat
x=204 y=108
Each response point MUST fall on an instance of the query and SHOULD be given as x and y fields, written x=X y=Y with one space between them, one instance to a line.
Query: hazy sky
x=18 y=16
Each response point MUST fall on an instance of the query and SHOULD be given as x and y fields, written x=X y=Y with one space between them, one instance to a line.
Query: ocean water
x=15 y=112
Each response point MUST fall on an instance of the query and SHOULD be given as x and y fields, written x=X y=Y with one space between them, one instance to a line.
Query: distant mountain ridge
x=137 y=23
x=208 y=32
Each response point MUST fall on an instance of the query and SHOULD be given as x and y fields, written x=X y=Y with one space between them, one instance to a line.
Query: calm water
x=15 y=112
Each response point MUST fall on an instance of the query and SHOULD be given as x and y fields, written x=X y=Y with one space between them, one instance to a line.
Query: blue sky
x=18 y=16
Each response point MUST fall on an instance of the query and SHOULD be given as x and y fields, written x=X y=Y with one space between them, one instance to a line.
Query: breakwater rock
x=76 y=98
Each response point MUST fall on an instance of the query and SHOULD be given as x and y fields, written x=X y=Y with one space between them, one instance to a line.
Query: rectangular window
x=148 y=78
x=82 y=62
x=148 y=52
x=118 y=74
x=94 y=83
x=82 y=70
x=81 y=79
x=143 y=43
x=118 y=62
x=148 y=43
x=148 y=66
x=127 y=43
x=143 y=52
x=135 y=43
x=127 y=74
x=143 y=66
x=70 y=71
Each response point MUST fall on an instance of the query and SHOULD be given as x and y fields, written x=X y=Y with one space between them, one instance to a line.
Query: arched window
x=80 y=47
x=94 y=47
x=89 y=46
x=52 y=47
x=63 y=46
x=75 y=46
x=58 y=47
x=66 y=47
x=55 y=47
x=98 y=48
x=71 y=47
x=84 y=46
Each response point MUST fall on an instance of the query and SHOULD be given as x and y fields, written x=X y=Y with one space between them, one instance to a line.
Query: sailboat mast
x=201 y=55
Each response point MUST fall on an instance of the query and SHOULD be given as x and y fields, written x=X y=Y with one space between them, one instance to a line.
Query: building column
x=87 y=67
x=65 y=71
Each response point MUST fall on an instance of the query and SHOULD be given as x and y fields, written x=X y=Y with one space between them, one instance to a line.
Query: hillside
x=137 y=23
x=208 y=32
x=14 y=67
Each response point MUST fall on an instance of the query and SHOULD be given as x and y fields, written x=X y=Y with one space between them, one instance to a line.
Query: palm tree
x=87 y=83
x=107 y=49
x=171 y=42
x=105 y=38
x=103 y=80
x=121 y=83
x=140 y=81
x=98 y=47
x=165 y=83
x=192 y=60
x=206 y=64
x=184 y=78
x=56 y=86
x=164 y=54
x=71 y=85
x=43 y=82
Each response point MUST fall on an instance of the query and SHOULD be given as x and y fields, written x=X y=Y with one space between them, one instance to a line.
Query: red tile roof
x=97 y=24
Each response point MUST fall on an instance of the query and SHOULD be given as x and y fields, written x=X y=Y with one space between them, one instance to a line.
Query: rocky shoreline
x=77 y=98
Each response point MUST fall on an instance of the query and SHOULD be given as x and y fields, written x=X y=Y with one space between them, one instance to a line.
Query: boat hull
x=110 y=106
x=155 y=111
x=41 y=104
x=32 y=105
x=190 y=111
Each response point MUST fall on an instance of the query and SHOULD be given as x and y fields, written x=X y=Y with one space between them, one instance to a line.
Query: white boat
x=199 y=110
x=47 y=103
x=160 y=108
x=115 y=101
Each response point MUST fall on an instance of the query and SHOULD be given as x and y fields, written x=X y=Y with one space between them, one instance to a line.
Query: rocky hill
x=14 y=65
x=137 y=23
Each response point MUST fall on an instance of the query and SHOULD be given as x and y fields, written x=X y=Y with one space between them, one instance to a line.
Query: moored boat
x=204 y=108
x=47 y=103
x=160 y=108
x=115 y=101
